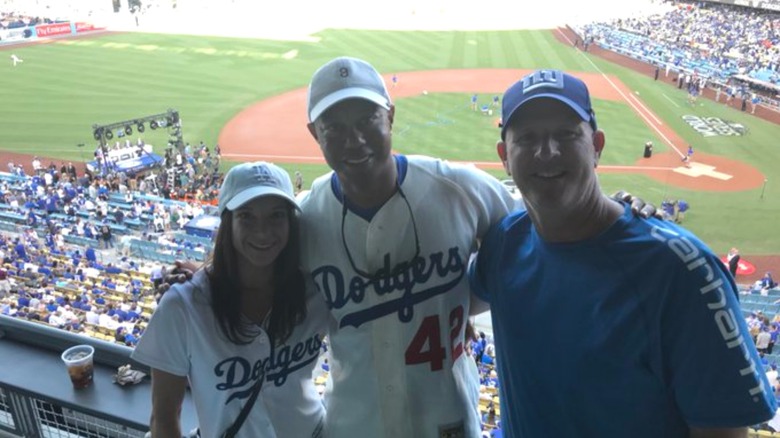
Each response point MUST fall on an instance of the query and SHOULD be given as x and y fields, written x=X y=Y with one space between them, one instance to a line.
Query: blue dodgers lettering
x=390 y=280
x=284 y=360
x=288 y=360
x=714 y=292
x=238 y=372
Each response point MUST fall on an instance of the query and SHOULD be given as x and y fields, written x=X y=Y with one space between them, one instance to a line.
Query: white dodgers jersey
x=396 y=339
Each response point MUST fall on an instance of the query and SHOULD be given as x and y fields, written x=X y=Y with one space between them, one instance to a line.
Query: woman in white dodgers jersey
x=249 y=314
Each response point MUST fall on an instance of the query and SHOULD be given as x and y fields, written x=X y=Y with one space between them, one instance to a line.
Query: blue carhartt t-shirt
x=636 y=331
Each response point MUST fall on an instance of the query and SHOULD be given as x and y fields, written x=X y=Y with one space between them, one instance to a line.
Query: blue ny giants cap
x=553 y=84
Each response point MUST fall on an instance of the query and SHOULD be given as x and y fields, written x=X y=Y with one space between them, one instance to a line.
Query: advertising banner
x=47 y=30
x=773 y=5
x=87 y=27
x=16 y=35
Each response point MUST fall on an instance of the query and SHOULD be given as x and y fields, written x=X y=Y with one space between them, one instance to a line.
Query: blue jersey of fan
x=635 y=331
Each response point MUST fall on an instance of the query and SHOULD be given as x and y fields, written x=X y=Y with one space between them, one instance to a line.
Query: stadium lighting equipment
x=153 y=124
x=109 y=134
x=128 y=130
x=139 y=127
x=97 y=133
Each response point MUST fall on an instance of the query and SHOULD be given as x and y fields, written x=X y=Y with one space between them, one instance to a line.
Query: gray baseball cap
x=345 y=78
x=248 y=181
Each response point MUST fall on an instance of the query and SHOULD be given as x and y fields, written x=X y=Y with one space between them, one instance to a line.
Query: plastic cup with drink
x=78 y=360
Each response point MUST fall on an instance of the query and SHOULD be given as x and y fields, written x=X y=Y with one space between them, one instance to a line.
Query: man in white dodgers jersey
x=387 y=240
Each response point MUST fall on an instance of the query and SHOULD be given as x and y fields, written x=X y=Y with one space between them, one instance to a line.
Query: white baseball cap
x=345 y=78
x=248 y=181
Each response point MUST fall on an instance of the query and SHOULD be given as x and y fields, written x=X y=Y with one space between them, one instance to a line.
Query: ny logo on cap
x=264 y=176
x=543 y=78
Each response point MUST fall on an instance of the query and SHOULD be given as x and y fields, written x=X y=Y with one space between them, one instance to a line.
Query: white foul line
x=565 y=37
x=641 y=114
x=670 y=100
x=636 y=167
x=649 y=113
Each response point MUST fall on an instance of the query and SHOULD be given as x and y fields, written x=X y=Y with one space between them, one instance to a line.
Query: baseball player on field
x=16 y=60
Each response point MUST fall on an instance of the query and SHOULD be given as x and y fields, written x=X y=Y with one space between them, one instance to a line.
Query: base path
x=275 y=129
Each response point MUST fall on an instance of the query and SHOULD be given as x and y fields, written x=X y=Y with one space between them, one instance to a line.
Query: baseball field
x=249 y=95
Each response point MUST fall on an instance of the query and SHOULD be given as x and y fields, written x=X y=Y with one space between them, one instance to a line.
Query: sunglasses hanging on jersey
x=377 y=275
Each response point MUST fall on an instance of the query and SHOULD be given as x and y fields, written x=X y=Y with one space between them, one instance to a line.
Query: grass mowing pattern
x=51 y=101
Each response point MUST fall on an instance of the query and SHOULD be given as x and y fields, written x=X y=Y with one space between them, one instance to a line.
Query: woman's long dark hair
x=289 y=287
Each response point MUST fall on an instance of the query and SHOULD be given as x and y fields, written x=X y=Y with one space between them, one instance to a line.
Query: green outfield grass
x=50 y=102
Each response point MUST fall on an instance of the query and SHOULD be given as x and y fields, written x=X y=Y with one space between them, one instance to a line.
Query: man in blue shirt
x=49 y=239
x=32 y=219
x=20 y=250
x=23 y=300
x=90 y=254
x=51 y=306
x=649 y=339
x=51 y=203
x=70 y=193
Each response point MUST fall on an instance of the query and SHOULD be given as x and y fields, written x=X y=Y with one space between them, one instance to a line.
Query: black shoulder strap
x=234 y=428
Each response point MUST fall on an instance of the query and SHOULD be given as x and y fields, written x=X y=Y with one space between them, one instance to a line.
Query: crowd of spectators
x=11 y=20
x=712 y=39
x=35 y=12
x=80 y=206
x=481 y=348
x=764 y=329
x=72 y=289
x=58 y=217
